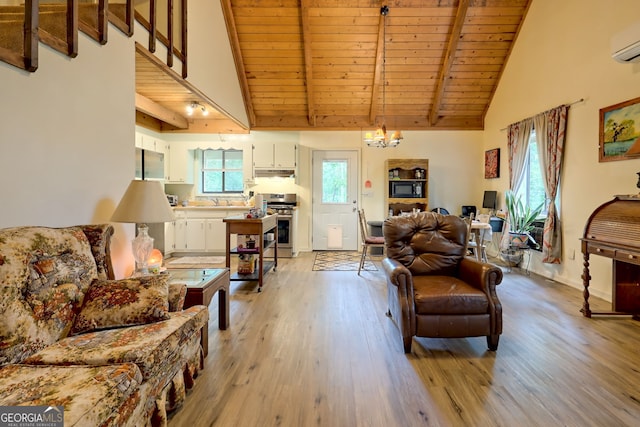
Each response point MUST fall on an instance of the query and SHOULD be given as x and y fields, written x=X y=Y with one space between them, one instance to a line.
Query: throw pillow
x=127 y=302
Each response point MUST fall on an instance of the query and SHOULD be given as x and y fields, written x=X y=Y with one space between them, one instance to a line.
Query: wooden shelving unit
x=413 y=172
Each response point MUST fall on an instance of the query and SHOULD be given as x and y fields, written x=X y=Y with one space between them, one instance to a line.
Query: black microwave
x=404 y=189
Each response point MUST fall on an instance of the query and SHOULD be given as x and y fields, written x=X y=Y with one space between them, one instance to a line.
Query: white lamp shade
x=143 y=202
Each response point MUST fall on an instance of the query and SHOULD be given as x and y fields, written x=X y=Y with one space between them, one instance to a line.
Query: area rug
x=341 y=261
x=191 y=261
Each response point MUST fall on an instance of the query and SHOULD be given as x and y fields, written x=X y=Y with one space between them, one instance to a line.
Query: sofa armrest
x=177 y=296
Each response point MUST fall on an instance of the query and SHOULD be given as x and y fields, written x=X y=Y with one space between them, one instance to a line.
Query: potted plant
x=520 y=218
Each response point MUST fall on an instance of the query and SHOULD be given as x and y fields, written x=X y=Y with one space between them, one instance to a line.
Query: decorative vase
x=518 y=240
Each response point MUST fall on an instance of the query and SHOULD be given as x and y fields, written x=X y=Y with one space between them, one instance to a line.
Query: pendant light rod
x=379 y=138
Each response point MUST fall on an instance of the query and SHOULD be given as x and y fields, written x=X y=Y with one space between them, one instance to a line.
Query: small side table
x=202 y=284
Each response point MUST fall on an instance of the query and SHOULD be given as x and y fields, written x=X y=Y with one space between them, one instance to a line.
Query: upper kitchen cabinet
x=181 y=165
x=275 y=155
x=150 y=143
x=151 y=157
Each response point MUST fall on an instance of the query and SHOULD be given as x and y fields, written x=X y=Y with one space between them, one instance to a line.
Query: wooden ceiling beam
x=147 y=106
x=208 y=126
x=232 y=31
x=308 y=62
x=333 y=122
x=449 y=55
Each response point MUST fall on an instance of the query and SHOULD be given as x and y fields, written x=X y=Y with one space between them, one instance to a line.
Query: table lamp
x=144 y=202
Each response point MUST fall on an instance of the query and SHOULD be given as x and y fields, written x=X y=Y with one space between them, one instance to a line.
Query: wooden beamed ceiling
x=318 y=64
x=342 y=65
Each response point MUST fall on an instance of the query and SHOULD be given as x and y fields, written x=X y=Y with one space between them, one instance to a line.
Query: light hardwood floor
x=315 y=348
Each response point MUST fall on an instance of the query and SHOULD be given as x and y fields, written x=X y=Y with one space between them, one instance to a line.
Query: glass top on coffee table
x=196 y=277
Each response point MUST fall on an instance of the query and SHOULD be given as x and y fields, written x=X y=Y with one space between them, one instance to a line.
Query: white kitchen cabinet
x=215 y=235
x=169 y=237
x=202 y=230
x=275 y=155
x=181 y=235
x=180 y=165
x=150 y=143
x=196 y=238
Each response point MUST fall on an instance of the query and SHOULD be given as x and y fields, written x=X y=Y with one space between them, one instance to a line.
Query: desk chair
x=367 y=241
x=442 y=211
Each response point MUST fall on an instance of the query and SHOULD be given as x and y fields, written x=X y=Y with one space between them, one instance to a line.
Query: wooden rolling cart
x=257 y=227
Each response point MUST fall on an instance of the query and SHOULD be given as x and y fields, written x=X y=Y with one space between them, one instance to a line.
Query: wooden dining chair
x=367 y=240
x=476 y=244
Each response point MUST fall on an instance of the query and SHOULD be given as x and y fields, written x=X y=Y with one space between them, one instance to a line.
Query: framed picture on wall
x=620 y=131
x=492 y=163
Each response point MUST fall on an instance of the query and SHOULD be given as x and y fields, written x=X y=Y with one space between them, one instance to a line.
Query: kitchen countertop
x=213 y=208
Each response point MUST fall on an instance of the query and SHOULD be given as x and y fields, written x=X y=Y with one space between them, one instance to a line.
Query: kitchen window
x=222 y=171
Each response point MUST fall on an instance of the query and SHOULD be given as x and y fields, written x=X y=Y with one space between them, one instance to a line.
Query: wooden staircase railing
x=57 y=23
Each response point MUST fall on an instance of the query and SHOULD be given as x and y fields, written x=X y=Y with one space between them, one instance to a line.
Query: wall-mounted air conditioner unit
x=625 y=45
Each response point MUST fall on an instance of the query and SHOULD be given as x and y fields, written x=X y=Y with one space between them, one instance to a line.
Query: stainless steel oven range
x=285 y=205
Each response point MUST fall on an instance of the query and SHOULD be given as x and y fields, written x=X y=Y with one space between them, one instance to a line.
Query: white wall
x=562 y=55
x=211 y=65
x=66 y=140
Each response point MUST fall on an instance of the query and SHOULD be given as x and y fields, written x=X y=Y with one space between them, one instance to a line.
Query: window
x=334 y=181
x=222 y=171
x=532 y=188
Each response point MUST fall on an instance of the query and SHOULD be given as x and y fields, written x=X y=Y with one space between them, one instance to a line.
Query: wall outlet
x=572 y=254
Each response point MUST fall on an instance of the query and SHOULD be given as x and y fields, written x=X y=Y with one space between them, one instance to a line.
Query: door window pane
x=334 y=181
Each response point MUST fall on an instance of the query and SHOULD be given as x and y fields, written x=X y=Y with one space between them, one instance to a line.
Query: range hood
x=275 y=173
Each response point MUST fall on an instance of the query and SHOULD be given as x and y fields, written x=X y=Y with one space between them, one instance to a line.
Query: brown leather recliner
x=433 y=289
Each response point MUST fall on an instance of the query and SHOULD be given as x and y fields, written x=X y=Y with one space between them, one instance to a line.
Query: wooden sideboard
x=613 y=231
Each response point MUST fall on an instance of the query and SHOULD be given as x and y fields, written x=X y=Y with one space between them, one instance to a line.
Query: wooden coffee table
x=202 y=284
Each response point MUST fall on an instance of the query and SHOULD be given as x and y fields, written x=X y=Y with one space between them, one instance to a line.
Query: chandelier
x=380 y=138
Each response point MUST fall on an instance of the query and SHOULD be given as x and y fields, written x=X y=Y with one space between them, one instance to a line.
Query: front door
x=335 y=203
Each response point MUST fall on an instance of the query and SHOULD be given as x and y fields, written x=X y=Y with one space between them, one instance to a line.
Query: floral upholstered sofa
x=110 y=352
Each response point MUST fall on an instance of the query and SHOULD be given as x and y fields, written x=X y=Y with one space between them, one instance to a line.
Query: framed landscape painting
x=620 y=131
x=492 y=163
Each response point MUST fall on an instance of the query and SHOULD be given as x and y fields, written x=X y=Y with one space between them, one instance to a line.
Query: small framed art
x=620 y=131
x=492 y=163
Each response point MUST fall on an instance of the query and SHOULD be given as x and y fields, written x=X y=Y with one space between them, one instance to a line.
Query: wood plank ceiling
x=343 y=65
x=318 y=64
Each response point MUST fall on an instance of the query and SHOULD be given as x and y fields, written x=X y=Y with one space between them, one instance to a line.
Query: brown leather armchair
x=433 y=289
